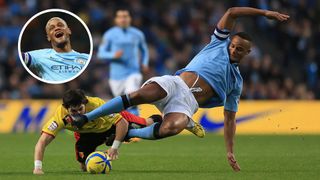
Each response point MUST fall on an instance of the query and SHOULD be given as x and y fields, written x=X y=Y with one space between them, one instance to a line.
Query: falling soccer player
x=211 y=79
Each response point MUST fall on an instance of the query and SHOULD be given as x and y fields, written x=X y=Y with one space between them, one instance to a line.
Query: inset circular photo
x=55 y=46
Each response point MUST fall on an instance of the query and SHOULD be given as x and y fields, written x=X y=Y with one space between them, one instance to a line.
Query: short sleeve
x=232 y=101
x=27 y=59
x=55 y=124
x=221 y=34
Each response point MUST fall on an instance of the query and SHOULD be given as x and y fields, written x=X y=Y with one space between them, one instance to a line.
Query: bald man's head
x=58 y=32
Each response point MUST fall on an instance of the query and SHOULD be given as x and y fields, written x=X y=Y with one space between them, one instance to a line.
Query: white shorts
x=179 y=97
x=125 y=86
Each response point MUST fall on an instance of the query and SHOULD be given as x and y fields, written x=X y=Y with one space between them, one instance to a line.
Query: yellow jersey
x=101 y=124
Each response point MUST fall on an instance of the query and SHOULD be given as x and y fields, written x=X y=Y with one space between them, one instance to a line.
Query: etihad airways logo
x=66 y=68
x=213 y=125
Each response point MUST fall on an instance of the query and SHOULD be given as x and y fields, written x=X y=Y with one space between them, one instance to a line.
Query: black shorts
x=86 y=143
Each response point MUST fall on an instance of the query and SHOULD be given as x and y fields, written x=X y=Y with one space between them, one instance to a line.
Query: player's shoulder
x=110 y=32
x=83 y=55
x=95 y=101
x=40 y=51
x=113 y=29
x=60 y=112
x=136 y=30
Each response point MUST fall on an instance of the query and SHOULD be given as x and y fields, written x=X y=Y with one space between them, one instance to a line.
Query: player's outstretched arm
x=40 y=147
x=229 y=132
x=121 y=131
x=228 y=19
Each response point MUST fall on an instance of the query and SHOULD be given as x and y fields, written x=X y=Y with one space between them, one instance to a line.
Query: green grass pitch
x=181 y=157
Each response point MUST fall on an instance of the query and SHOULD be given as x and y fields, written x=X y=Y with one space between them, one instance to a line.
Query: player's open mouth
x=59 y=34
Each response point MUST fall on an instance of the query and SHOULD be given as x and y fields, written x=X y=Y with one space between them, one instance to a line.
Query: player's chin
x=61 y=43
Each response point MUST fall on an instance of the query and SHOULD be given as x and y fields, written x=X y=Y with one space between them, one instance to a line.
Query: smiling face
x=239 y=48
x=58 y=32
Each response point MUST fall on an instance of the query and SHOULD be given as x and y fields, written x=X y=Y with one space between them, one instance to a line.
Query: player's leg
x=172 y=124
x=154 y=119
x=134 y=120
x=86 y=143
x=117 y=87
x=147 y=94
x=178 y=107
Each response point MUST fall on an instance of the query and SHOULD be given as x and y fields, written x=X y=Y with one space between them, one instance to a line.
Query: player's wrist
x=116 y=144
x=37 y=164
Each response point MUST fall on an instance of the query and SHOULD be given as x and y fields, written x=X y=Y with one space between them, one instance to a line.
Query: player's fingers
x=114 y=157
x=285 y=16
x=111 y=157
x=232 y=159
x=236 y=167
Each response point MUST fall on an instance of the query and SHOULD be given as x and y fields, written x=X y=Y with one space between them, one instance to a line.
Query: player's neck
x=64 y=49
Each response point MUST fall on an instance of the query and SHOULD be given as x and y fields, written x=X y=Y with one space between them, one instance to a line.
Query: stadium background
x=283 y=63
x=280 y=94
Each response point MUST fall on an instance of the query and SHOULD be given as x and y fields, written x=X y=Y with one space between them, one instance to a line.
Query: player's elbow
x=232 y=12
x=123 y=123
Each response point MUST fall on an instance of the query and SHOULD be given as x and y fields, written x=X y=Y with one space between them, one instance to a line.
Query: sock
x=190 y=124
x=115 y=105
x=134 y=110
x=150 y=132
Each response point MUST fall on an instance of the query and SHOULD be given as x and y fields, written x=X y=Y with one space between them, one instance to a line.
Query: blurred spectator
x=283 y=63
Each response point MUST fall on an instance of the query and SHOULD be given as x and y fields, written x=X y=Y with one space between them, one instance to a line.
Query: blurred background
x=283 y=63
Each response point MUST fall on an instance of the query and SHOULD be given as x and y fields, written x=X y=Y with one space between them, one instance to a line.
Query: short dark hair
x=74 y=97
x=243 y=35
x=122 y=9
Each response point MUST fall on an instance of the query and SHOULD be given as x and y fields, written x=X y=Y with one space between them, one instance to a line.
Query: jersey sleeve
x=232 y=101
x=220 y=35
x=144 y=49
x=55 y=124
x=27 y=59
x=104 y=50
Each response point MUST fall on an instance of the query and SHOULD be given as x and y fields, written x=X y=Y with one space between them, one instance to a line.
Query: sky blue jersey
x=135 y=51
x=212 y=63
x=53 y=66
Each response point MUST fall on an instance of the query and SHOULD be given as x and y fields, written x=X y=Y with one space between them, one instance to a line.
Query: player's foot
x=132 y=140
x=83 y=167
x=197 y=130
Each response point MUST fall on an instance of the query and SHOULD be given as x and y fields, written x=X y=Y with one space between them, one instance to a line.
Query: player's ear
x=48 y=38
x=248 y=52
x=69 y=31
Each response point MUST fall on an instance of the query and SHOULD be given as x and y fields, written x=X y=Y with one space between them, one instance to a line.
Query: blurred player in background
x=110 y=129
x=126 y=49
x=211 y=79
x=60 y=62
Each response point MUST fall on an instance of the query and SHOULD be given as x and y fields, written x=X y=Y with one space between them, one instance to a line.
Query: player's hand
x=113 y=154
x=77 y=120
x=233 y=162
x=118 y=54
x=37 y=171
x=276 y=15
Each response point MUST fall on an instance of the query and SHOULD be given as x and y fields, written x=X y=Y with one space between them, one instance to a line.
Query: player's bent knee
x=169 y=130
